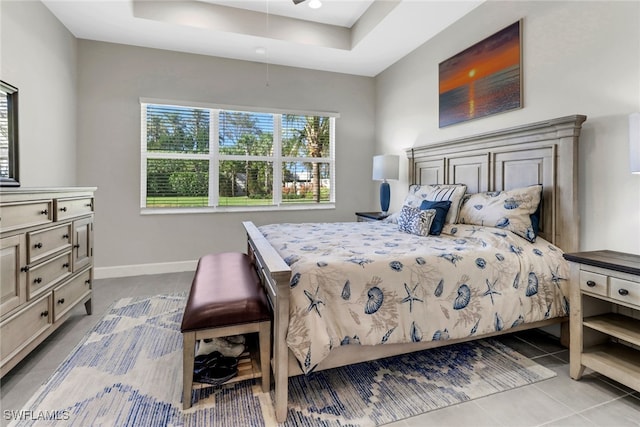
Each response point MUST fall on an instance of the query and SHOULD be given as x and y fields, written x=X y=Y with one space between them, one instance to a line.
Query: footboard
x=275 y=275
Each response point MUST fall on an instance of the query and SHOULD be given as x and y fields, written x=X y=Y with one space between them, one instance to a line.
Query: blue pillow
x=441 y=208
x=535 y=219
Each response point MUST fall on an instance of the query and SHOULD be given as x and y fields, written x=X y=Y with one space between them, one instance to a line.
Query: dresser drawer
x=624 y=291
x=69 y=208
x=19 y=330
x=594 y=283
x=17 y=215
x=43 y=276
x=69 y=294
x=49 y=241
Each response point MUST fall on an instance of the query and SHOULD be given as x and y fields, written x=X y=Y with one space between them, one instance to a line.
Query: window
x=208 y=158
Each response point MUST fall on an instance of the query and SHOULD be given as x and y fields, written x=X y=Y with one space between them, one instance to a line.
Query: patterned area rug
x=128 y=372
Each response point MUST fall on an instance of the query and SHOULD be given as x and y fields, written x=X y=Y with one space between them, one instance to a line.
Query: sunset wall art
x=482 y=80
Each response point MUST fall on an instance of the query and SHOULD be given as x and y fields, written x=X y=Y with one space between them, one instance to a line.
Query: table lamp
x=385 y=167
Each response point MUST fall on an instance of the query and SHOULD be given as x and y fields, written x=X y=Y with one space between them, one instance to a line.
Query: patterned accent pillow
x=441 y=208
x=509 y=210
x=415 y=221
x=437 y=193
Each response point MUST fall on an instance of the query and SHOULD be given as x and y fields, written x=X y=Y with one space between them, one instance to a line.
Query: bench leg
x=265 y=355
x=188 y=355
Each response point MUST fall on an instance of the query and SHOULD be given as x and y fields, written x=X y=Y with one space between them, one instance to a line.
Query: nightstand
x=605 y=313
x=370 y=216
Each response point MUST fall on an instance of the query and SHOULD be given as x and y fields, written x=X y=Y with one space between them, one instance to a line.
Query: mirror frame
x=12 y=180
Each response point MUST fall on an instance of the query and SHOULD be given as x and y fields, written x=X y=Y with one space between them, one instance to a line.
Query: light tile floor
x=560 y=401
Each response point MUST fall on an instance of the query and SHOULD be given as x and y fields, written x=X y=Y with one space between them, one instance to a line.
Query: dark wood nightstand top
x=377 y=216
x=616 y=261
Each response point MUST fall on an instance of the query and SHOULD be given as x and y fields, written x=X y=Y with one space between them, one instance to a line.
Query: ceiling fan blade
x=298 y=1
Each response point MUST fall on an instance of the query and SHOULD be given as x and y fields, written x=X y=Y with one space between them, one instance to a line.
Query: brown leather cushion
x=225 y=291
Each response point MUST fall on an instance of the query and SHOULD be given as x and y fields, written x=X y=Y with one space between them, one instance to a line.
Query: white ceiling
x=343 y=13
x=361 y=37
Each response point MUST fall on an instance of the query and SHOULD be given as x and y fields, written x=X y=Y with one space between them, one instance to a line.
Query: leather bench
x=226 y=298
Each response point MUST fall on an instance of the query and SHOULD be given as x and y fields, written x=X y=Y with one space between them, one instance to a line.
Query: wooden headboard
x=539 y=153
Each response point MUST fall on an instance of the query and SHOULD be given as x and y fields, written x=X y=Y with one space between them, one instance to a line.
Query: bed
x=335 y=288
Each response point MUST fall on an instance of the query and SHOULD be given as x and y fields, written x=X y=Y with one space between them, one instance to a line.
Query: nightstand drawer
x=624 y=291
x=594 y=283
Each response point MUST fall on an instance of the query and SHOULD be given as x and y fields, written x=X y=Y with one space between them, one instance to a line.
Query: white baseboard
x=144 y=269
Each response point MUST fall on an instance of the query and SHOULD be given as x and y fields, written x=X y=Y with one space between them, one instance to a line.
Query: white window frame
x=214 y=158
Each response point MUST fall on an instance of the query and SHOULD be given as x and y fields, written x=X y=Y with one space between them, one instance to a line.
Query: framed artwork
x=482 y=80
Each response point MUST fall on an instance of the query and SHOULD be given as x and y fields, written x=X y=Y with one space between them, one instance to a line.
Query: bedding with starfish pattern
x=367 y=283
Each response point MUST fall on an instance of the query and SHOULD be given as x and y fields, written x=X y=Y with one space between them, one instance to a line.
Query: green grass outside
x=196 y=202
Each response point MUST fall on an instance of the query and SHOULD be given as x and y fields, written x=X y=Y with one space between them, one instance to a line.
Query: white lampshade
x=385 y=167
x=634 y=142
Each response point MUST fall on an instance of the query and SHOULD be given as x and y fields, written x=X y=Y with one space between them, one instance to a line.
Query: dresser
x=605 y=316
x=46 y=250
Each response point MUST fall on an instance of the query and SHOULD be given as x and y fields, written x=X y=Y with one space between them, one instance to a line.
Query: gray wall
x=579 y=58
x=112 y=78
x=38 y=56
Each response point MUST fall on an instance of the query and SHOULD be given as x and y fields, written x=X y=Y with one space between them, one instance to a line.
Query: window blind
x=195 y=157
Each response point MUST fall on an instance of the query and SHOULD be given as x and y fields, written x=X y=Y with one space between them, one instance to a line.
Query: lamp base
x=385 y=197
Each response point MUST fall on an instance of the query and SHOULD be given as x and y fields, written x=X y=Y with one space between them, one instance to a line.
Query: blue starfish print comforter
x=364 y=283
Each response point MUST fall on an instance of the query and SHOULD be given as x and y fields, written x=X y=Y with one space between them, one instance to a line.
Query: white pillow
x=510 y=210
x=436 y=193
x=416 y=221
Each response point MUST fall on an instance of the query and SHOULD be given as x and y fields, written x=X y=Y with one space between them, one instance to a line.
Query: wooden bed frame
x=540 y=153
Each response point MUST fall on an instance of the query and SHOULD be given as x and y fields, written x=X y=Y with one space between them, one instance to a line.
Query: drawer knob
x=65 y=265
x=37 y=280
x=65 y=236
x=623 y=292
x=44 y=212
x=87 y=282
x=61 y=301
x=63 y=209
x=38 y=245
x=76 y=246
x=591 y=283
x=44 y=313
x=25 y=269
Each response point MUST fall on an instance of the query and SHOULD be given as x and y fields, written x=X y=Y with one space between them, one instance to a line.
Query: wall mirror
x=8 y=135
